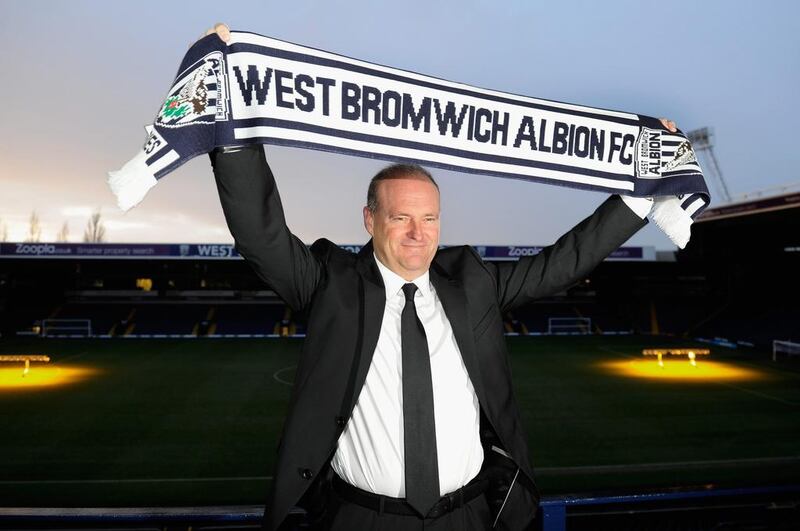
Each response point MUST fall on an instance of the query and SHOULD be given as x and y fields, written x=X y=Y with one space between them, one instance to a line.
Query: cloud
x=120 y=225
x=77 y=211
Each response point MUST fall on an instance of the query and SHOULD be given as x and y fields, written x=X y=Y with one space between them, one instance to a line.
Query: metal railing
x=782 y=502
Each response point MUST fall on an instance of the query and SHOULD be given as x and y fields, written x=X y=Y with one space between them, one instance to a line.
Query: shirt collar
x=394 y=282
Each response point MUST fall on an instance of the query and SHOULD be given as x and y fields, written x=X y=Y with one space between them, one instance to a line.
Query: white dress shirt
x=370 y=452
x=641 y=205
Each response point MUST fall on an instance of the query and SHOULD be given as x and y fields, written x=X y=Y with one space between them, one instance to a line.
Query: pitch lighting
x=27 y=358
x=690 y=353
x=681 y=370
x=17 y=378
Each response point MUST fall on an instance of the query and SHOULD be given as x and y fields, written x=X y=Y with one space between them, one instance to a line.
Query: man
x=402 y=414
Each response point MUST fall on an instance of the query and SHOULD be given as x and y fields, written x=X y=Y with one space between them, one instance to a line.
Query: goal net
x=569 y=325
x=788 y=348
x=69 y=327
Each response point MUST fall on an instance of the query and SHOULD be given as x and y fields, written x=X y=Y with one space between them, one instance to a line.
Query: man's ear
x=368 y=220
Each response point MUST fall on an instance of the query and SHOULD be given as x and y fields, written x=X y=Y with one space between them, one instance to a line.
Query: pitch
x=196 y=422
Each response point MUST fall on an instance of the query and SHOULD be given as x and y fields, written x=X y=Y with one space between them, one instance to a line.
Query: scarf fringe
x=131 y=182
x=672 y=219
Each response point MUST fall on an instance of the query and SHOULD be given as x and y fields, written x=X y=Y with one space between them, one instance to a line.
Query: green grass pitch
x=196 y=422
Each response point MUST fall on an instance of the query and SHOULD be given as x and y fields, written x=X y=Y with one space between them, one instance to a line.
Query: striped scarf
x=257 y=89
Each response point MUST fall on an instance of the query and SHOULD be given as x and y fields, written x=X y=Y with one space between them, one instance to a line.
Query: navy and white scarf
x=257 y=89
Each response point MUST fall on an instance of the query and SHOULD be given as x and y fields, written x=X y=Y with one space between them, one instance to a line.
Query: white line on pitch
x=279 y=371
x=757 y=393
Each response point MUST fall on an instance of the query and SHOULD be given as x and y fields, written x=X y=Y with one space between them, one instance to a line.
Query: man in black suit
x=402 y=414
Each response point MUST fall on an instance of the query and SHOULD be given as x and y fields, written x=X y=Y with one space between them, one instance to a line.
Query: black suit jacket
x=343 y=297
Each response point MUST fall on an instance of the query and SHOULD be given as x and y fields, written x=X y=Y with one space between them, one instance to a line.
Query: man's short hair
x=395 y=171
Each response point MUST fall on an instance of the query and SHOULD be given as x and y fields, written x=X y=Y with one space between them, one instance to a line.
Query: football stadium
x=145 y=386
x=381 y=266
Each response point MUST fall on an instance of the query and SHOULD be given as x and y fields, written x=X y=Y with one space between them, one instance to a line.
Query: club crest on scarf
x=661 y=154
x=195 y=98
x=683 y=155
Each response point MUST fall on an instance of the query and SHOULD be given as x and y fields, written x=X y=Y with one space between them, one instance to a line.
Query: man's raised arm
x=573 y=256
x=576 y=253
x=254 y=214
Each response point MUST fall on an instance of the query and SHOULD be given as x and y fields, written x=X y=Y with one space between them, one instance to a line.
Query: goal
x=67 y=327
x=789 y=348
x=569 y=325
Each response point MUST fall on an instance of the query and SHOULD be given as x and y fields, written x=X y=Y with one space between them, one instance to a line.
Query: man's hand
x=669 y=124
x=222 y=31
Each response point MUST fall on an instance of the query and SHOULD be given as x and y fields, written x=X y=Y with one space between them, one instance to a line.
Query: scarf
x=256 y=89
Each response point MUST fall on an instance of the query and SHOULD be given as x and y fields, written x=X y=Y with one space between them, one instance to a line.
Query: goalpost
x=569 y=325
x=70 y=327
x=789 y=348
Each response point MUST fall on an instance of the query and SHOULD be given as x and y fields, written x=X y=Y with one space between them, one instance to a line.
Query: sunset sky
x=81 y=78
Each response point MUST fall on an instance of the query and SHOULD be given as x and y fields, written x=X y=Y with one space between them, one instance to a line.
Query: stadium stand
x=735 y=279
x=247 y=318
x=167 y=318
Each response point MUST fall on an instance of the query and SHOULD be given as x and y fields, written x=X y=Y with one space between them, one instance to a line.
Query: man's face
x=405 y=226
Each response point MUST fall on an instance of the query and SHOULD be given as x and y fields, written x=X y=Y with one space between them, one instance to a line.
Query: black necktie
x=419 y=428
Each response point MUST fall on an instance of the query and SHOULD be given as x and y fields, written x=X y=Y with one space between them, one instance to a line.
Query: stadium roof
x=754 y=206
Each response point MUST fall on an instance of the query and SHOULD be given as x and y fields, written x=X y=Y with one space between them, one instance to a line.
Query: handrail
x=553 y=509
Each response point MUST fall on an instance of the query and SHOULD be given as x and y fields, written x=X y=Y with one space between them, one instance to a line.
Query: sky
x=81 y=78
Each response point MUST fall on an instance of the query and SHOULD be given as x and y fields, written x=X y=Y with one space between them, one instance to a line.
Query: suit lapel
x=373 y=302
x=454 y=302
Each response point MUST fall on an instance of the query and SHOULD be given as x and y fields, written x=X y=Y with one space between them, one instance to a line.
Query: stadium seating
x=247 y=318
x=168 y=318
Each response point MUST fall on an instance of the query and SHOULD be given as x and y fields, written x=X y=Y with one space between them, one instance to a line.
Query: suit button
x=306 y=473
x=341 y=421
